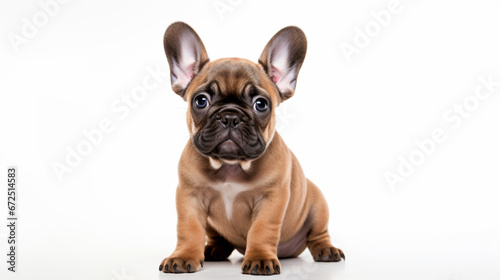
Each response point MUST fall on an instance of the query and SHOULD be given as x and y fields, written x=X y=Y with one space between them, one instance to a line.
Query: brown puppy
x=240 y=187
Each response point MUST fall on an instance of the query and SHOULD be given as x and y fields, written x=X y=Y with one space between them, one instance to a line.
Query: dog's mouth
x=231 y=146
x=230 y=149
x=227 y=146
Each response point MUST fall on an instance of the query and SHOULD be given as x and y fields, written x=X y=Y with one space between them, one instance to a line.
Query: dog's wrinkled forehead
x=231 y=76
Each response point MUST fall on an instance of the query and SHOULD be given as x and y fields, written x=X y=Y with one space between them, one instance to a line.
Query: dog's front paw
x=181 y=264
x=260 y=266
x=327 y=253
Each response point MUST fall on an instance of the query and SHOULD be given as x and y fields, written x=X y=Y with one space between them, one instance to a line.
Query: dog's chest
x=228 y=192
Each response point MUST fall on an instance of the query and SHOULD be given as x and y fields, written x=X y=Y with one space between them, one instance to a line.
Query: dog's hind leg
x=217 y=247
x=318 y=239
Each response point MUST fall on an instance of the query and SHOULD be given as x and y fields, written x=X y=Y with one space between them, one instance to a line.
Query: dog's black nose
x=230 y=120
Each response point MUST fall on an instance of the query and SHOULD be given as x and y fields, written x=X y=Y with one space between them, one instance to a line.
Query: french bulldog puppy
x=240 y=187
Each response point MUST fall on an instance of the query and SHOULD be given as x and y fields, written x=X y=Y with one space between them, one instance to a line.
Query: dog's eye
x=260 y=105
x=201 y=101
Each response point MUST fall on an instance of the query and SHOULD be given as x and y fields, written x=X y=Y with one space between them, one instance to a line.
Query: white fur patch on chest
x=228 y=192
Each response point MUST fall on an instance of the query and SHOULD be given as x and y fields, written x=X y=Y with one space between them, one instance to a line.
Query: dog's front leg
x=192 y=218
x=264 y=234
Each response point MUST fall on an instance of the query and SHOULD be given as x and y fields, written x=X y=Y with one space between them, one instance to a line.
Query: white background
x=113 y=216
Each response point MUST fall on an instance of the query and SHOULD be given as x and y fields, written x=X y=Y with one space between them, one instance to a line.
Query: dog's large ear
x=282 y=58
x=185 y=53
